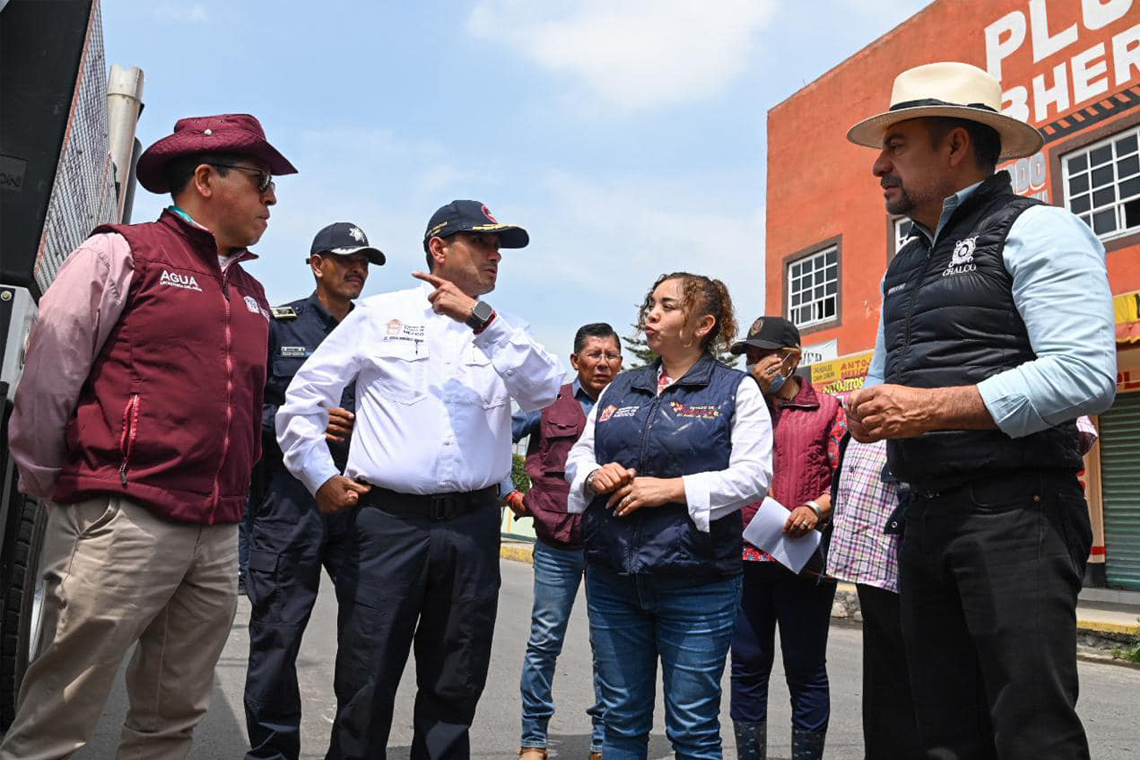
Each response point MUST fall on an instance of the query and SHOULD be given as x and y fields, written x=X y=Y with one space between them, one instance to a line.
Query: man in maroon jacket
x=139 y=418
x=558 y=559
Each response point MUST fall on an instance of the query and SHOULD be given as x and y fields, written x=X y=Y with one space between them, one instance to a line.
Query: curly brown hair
x=701 y=296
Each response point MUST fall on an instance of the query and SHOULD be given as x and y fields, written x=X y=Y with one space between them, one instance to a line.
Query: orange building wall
x=820 y=186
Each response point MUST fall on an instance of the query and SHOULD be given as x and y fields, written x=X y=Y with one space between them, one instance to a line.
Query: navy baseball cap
x=769 y=334
x=473 y=216
x=345 y=239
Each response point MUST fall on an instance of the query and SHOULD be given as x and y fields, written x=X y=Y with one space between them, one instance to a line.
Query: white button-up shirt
x=433 y=411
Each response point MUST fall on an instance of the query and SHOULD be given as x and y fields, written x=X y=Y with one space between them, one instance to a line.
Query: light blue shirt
x=1061 y=291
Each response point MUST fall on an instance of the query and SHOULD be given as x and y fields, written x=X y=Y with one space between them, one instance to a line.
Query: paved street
x=1109 y=694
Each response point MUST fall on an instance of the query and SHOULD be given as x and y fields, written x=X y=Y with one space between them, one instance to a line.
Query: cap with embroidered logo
x=473 y=216
x=345 y=239
x=769 y=334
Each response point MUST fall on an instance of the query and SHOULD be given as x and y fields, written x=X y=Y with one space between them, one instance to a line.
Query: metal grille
x=84 y=194
x=1120 y=490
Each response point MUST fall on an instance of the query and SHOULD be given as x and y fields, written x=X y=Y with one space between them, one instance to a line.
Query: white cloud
x=194 y=13
x=631 y=54
x=597 y=245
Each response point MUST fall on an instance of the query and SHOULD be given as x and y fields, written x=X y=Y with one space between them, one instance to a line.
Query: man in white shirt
x=435 y=370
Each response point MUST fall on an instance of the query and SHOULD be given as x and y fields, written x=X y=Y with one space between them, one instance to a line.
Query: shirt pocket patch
x=484 y=379
x=401 y=367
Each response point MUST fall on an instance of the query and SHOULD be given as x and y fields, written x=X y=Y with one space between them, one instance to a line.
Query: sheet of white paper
x=766 y=531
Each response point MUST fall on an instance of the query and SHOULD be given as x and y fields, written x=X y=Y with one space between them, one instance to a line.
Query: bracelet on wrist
x=814 y=507
x=589 y=483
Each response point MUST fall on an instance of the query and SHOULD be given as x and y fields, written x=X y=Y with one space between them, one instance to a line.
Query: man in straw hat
x=139 y=418
x=996 y=333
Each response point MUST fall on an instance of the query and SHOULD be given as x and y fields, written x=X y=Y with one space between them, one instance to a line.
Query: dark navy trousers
x=411 y=580
x=801 y=606
x=289 y=542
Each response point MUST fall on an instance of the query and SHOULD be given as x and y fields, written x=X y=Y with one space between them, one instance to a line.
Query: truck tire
x=23 y=598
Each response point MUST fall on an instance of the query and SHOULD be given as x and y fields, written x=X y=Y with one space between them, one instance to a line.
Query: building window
x=813 y=282
x=903 y=228
x=1102 y=185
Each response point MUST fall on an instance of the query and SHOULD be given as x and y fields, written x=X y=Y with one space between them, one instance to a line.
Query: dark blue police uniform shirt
x=296 y=330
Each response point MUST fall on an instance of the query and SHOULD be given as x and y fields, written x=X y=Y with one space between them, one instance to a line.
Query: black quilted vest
x=949 y=319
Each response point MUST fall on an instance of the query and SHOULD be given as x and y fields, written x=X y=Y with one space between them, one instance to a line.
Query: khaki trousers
x=116 y=574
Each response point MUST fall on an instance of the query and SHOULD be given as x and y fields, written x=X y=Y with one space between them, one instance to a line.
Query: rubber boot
x=807 y=745
x=751 y=740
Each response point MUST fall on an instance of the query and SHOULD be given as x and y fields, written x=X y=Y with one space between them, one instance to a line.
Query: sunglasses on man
x=264 y=179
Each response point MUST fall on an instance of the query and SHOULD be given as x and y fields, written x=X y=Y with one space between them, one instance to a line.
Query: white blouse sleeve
x=580 y=463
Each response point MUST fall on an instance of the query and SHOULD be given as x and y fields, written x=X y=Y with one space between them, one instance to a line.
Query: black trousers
x=989 y=576
x=414 y=580
x=290 y=540
x=889 y=731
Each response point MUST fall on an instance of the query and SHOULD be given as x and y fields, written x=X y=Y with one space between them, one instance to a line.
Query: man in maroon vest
x=558 y=560
x=139 y=418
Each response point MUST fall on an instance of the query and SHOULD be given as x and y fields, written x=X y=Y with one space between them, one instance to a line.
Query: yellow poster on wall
x=840 y=376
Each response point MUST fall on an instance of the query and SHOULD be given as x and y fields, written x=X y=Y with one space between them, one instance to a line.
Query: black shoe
x=241 y=586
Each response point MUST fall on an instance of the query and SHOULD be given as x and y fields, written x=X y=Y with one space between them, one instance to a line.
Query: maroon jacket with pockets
x=800 y=468
x=562 y=423
x=170 y=416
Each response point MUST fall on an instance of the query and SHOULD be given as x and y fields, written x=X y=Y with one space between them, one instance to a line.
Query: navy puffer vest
x=685 y=430
x=949 y=319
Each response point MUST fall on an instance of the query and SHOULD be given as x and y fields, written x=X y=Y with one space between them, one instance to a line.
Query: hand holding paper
x=766 y=532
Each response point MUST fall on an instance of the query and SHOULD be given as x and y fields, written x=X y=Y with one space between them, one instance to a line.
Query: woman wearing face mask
x=668 y=457
x=808 y=427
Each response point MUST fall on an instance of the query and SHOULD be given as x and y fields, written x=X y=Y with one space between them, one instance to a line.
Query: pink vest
x=562 y=424
x=170 y=416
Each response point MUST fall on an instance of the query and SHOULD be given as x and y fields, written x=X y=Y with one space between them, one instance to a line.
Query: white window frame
x=897 y=226
x=1117 y=206
x=815 y=267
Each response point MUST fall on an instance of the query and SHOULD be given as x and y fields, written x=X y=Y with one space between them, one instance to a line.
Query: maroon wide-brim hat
x=226 y=133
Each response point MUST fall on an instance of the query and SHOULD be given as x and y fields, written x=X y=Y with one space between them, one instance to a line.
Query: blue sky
x=628 y=136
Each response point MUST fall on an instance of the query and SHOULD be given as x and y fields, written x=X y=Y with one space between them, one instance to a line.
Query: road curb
x=517 y=552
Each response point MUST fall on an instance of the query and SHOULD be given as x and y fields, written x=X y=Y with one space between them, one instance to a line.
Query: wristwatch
x=481 y=316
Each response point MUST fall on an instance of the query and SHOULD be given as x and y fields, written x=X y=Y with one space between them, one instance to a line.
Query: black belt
x=437 y=507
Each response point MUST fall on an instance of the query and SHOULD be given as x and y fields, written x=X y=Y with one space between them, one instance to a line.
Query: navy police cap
x=345 y=239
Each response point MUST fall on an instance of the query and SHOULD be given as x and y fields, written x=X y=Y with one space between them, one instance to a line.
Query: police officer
x=290 y=539
x=435 y=369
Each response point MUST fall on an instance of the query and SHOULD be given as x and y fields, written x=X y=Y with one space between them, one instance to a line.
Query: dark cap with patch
x=473 y=216
x=769 y=334
x=345 y=239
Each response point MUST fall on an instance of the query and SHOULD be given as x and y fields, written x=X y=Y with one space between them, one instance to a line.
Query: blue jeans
x=557 y=575
x=634 y=620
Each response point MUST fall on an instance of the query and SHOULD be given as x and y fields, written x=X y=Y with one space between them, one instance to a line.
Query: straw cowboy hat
x=952 y=89
x=224 y=133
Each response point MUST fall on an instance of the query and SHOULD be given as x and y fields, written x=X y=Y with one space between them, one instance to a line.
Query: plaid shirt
x=860 y=552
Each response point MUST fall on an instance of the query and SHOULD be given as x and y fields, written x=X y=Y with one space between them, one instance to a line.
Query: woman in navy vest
x=669 y=455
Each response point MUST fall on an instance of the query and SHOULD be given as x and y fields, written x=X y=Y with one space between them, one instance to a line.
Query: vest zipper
x=653 y=407
x=917 y=279
x=216 y=491
x=130 y=433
